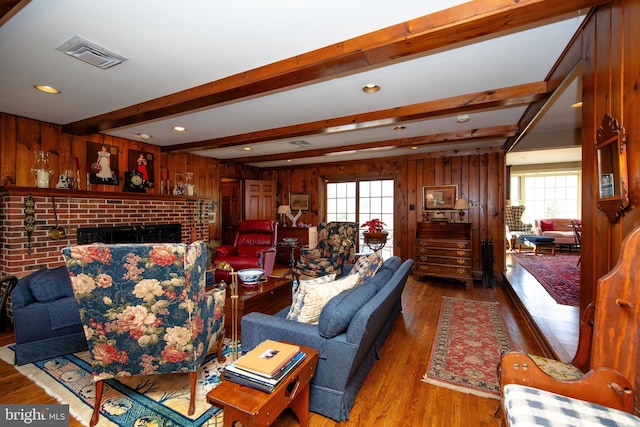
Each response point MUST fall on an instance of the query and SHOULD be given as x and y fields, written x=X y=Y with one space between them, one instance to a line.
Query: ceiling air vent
x=90 y=53
x=299 y=143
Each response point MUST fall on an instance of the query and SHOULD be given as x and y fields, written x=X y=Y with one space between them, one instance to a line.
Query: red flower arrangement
x=374 y=225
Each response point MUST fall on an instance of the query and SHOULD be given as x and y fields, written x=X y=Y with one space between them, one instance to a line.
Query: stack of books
x=265 y=366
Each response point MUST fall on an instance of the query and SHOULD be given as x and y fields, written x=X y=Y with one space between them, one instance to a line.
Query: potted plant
x=375 y=233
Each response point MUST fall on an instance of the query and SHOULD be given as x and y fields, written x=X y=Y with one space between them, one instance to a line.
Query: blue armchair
x=145 y=309
x=335 y=249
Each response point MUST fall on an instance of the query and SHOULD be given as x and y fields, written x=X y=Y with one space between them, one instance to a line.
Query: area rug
x=469 y=342
x=154 y=400
x=558 y=274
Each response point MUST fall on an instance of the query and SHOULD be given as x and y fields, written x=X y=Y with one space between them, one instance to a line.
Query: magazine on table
x=244 y=377
x=268 y=358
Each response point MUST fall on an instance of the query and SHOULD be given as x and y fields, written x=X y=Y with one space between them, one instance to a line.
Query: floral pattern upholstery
x=335 y=249
x=144 y=307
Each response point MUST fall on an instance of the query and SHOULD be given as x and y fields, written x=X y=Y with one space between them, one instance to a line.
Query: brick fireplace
x=84 y=210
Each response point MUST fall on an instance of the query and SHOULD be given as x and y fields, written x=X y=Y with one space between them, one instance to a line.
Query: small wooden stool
x=253 y=407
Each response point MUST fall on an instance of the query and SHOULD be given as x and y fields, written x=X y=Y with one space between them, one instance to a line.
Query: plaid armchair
x=515 y=228
x=145 y=309
x=335 y=248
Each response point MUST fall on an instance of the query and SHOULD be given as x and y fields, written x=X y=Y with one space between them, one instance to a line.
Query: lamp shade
x=461 y=204
x=284 y=209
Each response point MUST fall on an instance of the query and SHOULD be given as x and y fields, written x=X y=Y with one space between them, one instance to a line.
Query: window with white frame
x=360 y=201
x=547 y=194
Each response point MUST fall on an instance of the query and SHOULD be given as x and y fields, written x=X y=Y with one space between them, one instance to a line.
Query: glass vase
x=190 y=187
x=41 y=169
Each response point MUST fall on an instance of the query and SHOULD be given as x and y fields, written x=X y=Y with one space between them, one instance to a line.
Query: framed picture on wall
x=103 y=163
x=438 y=198
x=142 y=162
x=300 y=201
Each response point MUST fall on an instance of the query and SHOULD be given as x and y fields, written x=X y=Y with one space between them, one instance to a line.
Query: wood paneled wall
x=611 y=84
x=21 y=138
x=479 y=176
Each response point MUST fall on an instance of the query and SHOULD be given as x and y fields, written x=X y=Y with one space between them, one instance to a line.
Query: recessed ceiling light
x=415 y=147
x=247 y=148
x=179 y=128
x=144 y=136
x=47 y=89
x=399 y=127
x=463 y=118
x=577 y=105
x=371 y=88
x=289 y=160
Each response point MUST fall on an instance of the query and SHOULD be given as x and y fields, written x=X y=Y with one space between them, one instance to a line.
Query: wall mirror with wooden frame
x=613 y=192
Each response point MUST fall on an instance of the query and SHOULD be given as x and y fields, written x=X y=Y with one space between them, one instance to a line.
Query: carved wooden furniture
x=611 y=147
x=611 y=376
x=253 y=407
x=444 y=249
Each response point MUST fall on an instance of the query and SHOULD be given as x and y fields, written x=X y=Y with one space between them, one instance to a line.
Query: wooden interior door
x=259 y=199
x=231 y=210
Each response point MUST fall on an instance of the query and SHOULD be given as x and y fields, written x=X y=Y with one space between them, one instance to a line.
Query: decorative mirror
x=613 y=192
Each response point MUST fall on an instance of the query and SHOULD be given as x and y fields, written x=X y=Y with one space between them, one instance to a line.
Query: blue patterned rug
x=154 y=400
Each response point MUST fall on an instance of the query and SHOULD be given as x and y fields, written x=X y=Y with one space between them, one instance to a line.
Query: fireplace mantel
x=56 y=192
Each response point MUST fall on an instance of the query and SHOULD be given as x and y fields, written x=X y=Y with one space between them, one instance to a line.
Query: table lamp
x=283 y=210
x=461 y=205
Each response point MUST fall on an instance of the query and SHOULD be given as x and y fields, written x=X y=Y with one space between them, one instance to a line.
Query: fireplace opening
x=160 y=233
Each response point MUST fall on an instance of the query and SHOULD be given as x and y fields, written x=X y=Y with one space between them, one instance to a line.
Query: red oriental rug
x=469 y=342
x=558 y=274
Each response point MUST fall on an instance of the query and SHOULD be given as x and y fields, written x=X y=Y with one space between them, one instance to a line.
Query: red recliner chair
x=254 y=247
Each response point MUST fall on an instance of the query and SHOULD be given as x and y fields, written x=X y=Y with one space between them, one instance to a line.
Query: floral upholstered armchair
x=145 y=309
x=335 y=249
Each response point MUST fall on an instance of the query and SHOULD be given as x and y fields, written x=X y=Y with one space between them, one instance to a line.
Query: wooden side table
x=253 y=407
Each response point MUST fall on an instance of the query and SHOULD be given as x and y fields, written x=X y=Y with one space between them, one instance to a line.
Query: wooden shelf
x=87 y=194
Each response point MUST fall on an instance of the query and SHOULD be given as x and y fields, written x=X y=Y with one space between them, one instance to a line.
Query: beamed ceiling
x=260 y=75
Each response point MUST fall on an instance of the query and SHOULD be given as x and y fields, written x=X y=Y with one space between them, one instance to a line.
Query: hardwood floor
x=393 y=393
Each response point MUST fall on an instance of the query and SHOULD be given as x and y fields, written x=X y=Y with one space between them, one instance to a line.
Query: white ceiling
x=172 y=46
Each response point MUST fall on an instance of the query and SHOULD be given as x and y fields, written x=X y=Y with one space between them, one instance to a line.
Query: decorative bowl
x=290 y=240
x=250 y=276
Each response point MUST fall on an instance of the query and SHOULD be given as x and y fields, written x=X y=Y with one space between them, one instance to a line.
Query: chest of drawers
x=443 y=249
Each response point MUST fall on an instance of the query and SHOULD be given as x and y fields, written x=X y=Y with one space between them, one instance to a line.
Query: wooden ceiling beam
x=509 y=96
x=482 y=134
x=458 y=24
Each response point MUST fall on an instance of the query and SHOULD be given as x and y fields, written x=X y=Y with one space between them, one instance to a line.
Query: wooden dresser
x=443 y=249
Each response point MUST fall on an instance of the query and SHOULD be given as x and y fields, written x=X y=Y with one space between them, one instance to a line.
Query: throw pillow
x=317 y=296
x=546 y=225
x=297 y=294
x=374 y=262
x=51 y=284
x=336 y=316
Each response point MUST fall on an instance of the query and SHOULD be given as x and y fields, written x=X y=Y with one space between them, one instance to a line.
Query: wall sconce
x=461 y=205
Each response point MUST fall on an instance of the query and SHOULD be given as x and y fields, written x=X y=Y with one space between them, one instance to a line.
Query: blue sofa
x=46 y=318
x=352 y=328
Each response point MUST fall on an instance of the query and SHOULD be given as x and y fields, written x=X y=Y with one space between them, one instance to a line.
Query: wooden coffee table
x=253 y=407
x=269 y=297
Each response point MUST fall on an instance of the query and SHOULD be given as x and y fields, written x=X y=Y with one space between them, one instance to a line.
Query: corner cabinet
x=443 y=249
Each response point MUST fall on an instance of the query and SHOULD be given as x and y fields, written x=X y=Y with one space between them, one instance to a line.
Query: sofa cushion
x=51 y=284
x=367 y=266
x=316 y=296
x=546 y=225
x=297 y=293
x=336 y=315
